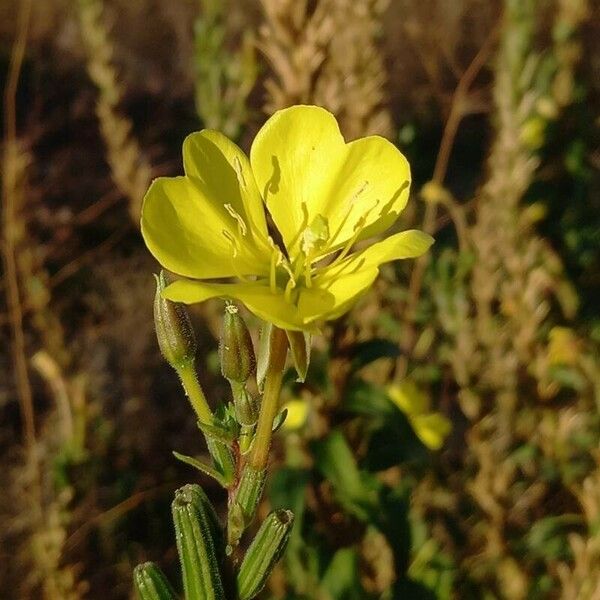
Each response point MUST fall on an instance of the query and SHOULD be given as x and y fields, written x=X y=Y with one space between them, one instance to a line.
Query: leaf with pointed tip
x=279 y=420
x=202 y=467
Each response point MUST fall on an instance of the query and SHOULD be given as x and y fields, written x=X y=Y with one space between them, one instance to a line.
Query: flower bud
x=198 y=537
x=236 y=350
x=173 y=328
x=151 y=583
x=263 y=553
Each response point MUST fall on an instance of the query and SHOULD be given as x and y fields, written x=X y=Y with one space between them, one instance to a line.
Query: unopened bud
x=173 y=328
x=151 y=583
x=246 y=407
x=236 y=350
x=263 y=553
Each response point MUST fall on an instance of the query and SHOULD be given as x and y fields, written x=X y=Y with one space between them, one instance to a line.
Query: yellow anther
x=232 y=240
x=362 y=188
x=237 y=165
x=241 y=224
x=235 y=251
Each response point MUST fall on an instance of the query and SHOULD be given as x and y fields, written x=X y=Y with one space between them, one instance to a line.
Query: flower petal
x=304 y=170
x=269 y=306
x=432 y=429
x=177 y=238
x=351 y=278
x=225 y=171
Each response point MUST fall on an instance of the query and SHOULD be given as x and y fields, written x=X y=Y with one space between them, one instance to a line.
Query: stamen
x=302 y=227
x=237 y=165
x=357 y=230
x=291 y=284
x=307 y=271
x=362 y=188
x=273 y=267
x=241 y=224
x=231 y=239
x=351 y=204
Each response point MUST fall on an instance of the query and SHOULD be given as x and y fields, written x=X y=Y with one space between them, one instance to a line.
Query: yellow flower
x=322 y=194
x=431 y=428
x=297 y=414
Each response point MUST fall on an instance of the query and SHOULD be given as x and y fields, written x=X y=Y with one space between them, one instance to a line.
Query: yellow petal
x=348 y=280
x=258 y=298
x=406 y=244
x=183 y=228
x=432 y=429
x=408 y=398
x=305 y=171
x=225 y=170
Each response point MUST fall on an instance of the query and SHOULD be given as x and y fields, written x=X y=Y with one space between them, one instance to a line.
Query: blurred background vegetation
x=446 y=444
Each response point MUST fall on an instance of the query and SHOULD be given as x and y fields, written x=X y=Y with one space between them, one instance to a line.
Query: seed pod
x=151 y=583
x=264 y=552
x=199 y=543
x=236 y=350
x=173 y=328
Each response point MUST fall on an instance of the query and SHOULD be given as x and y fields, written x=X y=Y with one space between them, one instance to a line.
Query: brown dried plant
x=499 y=313
x=130 y=169
x=328 y=54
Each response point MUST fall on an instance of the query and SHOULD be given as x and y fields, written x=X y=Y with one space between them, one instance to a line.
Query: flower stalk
x=259 y=455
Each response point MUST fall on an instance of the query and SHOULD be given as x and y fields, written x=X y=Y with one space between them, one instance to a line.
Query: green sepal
x=173 y=327
x=264 y=552
x=300 y=344
x=198 y=535
x=245 y=406
x=279 y=420
x=204 y=468
x=151 y=583
x=263 y=358
x=247 y=497
x=217 y=431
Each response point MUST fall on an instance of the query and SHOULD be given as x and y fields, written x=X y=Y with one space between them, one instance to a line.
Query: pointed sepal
x=300 y=344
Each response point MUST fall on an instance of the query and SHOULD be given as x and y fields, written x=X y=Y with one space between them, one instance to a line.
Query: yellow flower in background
x=563 y=347
x=297 y=414
x=431 y=428
x=322 y=195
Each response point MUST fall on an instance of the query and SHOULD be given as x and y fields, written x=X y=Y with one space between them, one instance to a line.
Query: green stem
x=193 y=390
x=270 y=401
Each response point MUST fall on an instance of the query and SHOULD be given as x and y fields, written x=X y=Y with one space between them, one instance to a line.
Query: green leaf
x=204 y=468
x=279 y=420
x=341 y=579
x=355 y=491
x=367 y=352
